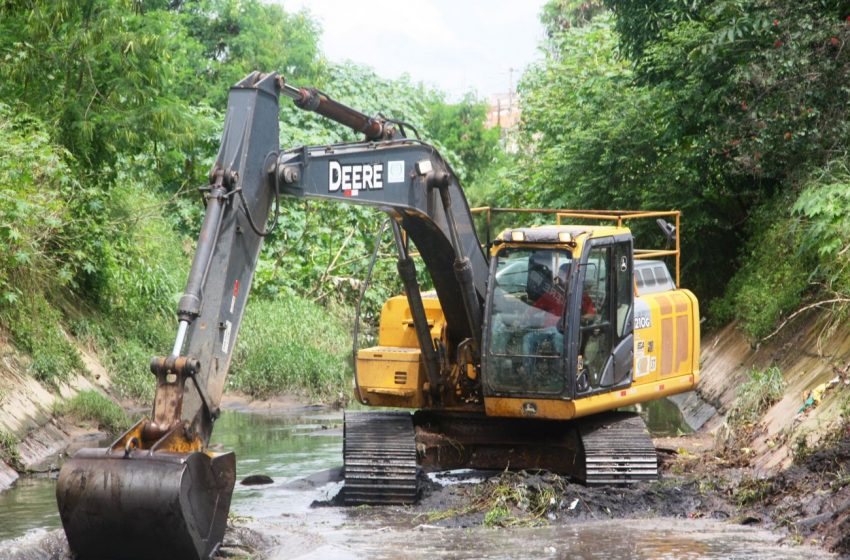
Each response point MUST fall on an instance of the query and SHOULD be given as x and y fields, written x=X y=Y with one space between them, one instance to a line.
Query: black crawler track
x=379 y=451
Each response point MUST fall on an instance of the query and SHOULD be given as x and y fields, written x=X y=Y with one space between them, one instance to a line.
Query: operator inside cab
x=527 y=346
x=554 y=296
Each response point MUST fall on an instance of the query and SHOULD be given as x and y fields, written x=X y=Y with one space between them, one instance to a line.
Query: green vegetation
x=758 y=393
x=735 y=112
x=752 y=491
x=510 y=500
x=111 y=115
x=773 y=277
x=9 y=450
x=755 y=396
x=291 y=344
x=93 y=406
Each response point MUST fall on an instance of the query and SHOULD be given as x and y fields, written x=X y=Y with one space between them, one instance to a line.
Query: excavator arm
x=158 y=491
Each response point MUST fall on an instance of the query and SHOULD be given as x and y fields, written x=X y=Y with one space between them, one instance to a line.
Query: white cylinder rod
x=181 y=335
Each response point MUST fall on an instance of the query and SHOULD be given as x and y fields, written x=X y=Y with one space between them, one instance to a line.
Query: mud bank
x=790 y=467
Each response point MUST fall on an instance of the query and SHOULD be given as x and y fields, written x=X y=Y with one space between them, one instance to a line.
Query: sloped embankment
x=811 y=353
x=32 y=438
x=793 y=463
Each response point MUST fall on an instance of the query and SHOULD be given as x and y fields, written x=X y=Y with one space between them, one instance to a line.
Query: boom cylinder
x=314 y=100
x=462 y=266
x=190 y=302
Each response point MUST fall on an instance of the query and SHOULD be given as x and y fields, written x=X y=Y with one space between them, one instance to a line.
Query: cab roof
x=558 y=234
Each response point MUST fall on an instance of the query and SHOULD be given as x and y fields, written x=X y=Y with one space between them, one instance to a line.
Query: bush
x=9 y=449
x=95 y=407
x=797 y=245
x=824 y=209
x=37 y=237
x=36 y=328
x=755 y=396
x=142 y=264
x=291 y=343
x=773 y=277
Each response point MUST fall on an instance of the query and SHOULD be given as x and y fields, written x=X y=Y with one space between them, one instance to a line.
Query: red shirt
x=552 y=302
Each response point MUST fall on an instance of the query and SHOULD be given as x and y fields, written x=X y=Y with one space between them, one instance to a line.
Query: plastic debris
x=814 y=397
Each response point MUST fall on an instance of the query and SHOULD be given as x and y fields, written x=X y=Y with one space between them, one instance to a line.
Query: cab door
x=605 y=352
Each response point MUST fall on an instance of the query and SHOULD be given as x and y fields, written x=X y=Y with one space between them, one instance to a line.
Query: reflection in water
x=30 y=504
x=286 y=448
x=662 y=417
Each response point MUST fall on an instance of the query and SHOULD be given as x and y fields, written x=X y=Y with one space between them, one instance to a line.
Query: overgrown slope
x=110 y=120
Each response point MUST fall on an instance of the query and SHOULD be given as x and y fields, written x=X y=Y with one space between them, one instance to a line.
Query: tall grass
x=290 y=343
x=93 y=406
x=756 y=395
x=9 y=449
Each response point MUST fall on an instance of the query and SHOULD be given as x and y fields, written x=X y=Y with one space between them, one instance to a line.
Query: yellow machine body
x=391 y=373
x=666 y=363
x=665 y=354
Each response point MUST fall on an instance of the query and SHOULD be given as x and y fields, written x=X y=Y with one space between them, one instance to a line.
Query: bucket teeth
x=145 y=504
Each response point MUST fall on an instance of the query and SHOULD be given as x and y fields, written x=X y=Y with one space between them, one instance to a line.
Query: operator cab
x=559 y=314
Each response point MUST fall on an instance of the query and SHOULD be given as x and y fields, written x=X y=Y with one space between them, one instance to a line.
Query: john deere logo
x=529 y=409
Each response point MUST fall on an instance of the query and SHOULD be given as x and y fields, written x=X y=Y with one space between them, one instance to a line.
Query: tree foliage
x=728 y=110
x=112 y=111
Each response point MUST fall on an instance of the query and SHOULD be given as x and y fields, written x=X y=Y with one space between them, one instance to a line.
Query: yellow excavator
x=519 y=357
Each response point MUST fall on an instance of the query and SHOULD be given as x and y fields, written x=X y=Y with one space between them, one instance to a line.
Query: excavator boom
x=158 y=491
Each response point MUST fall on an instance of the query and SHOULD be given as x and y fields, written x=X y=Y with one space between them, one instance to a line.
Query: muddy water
x=609 y=540
x=663 y=418
x=300 y=450
x=286 y=447
x=29 y=505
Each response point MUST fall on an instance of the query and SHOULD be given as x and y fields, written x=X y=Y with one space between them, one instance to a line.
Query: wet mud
x=239 y=542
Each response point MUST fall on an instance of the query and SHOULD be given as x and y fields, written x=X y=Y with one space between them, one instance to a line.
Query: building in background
x=503 y=111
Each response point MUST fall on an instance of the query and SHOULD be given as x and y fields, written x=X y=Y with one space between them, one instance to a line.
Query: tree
x=101 y=72
x=459 y=127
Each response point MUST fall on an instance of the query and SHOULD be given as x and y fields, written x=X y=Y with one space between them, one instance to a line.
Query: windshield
x=526 y=340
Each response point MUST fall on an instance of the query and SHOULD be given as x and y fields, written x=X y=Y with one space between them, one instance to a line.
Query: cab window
x=526 y=338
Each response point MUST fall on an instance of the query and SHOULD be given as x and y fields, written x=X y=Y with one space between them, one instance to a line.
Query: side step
x=618 y=450
x=379 y=452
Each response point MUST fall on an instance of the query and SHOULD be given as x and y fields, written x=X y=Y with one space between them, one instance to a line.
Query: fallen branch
x=803 y=309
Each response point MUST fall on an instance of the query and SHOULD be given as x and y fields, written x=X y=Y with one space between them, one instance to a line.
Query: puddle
x=663 y=418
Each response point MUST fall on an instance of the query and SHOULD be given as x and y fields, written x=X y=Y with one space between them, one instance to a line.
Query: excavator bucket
x=128 y=503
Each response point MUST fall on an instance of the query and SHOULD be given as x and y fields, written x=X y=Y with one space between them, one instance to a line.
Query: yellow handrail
x=619 y=216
